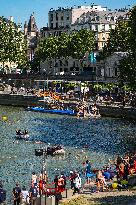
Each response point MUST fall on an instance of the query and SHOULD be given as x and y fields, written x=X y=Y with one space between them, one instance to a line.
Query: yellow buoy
x=4 y=118
x=115 y=185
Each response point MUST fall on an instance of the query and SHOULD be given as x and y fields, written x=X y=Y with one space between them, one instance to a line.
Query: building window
x=103 y=44
x=56 y=25
x=67 y=17
x=51 y=17
x=56 y=16
x=103 y=27
x=62 y=24
x=116 y=71
x=60 y=32
x=60 y=63
x=96 y=27
x=62 y=18
x=110 y=26
x=66 y=62
x=108 y=18
x=51 y=25
x=65 y=69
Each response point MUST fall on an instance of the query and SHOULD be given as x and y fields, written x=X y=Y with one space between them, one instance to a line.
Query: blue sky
x=22 y=9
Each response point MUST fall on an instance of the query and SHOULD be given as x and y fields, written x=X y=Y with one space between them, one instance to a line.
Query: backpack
x=2 y=195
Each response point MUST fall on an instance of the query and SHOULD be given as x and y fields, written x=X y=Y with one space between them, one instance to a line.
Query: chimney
x=11 y=18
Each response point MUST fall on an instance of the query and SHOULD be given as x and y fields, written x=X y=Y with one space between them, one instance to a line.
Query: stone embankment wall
x=105 y=110
x=18 y=100
x=118 y=111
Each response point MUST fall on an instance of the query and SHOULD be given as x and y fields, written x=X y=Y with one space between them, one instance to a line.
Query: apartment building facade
x=97 y=19
x=60 y=20
x=101 y=22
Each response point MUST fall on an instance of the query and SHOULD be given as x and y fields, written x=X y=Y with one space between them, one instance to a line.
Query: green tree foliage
x=118 y=40
x=75 y=45
x=128 y=64
x=123 y=39
x=12 y=43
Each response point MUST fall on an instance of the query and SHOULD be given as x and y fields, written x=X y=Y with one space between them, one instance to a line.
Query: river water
x=103 y=137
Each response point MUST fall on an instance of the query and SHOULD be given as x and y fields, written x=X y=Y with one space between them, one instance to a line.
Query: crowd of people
x=114 y=175
x=118 y=170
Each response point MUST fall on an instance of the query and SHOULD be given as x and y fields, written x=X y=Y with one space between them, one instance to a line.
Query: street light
x=43 y=152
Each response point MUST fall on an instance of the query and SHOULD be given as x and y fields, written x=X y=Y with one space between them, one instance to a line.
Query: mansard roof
x=104 y=17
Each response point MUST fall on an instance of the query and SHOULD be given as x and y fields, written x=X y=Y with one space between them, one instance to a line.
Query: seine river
x=104 y=139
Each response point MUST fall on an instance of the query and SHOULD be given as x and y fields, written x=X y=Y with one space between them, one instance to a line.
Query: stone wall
x=18 y=100
x=118 y=111
x=105 y=110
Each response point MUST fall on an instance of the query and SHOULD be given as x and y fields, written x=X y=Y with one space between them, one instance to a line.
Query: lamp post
x=43 y=152
x=44 y=169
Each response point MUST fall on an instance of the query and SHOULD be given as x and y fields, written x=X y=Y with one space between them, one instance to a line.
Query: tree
x=118 y=40
x=123 y=39
x=75 y=45
x=128 y=64
x=12 y=43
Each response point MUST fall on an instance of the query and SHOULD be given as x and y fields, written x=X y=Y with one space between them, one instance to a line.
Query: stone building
x=111 y=64
x=60 y=20
x=70 y=66
x=95 y=18
x=101 y=22
x=31 y=34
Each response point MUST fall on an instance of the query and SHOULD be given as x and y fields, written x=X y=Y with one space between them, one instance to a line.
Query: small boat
x=57 y=152
x=22 y=137
x=52 y=150
x=53 y=111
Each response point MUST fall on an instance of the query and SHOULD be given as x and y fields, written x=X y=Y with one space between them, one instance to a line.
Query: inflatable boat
x=53 y=111
x=22 y=137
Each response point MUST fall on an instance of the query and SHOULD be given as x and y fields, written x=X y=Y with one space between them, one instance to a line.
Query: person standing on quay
x=2 y=195
x=33 y=194
x=77 y=185
x=16 y=194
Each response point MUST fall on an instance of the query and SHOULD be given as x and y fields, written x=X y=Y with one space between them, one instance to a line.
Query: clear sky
x=22 y=9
